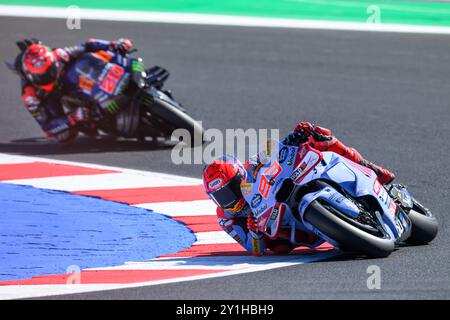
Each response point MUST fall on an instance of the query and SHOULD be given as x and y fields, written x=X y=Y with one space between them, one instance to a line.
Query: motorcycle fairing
x=356 y=180
x=357 y=183
x=99 y=77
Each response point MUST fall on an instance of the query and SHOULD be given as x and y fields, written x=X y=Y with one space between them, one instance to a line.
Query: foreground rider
x=225 y=178
x=40 y=68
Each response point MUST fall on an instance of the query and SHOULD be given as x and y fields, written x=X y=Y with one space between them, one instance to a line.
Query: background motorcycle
x=125 y=99
x=301 y=188
x=132 y=100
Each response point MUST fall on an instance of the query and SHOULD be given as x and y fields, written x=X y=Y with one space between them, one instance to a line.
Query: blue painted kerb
x=45 y=232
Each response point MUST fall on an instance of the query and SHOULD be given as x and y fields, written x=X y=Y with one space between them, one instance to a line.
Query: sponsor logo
x=270 y=145
x=215 y=183
x=297 y=173
x=246 y=188
x=274 y=213
x=337 y=197
x=238 y=239
x=245 y=211
x=303 y=166
x=256 y=247
x=406 y=197
x=269 y=174
x=111 y=79
x=274 y=186
x=261 y=209
x=393 y=208
x=382 y=194
x=282 y=154
x=256 y=200
x=137 y=66
x=86 y=84
x=113 y=107
x=122 y=84
x=225 y=223
x=291 y=157
x=399 y=226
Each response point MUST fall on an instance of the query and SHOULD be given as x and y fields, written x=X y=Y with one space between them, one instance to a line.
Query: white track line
x=182 y=208
x=202 y=263
x=7 y=159
x=19 y=292
x=213 y=19
x=177 y=180
x=106 y=181
x=213 y=237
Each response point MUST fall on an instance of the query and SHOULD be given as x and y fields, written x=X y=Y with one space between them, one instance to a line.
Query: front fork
x=291 y=222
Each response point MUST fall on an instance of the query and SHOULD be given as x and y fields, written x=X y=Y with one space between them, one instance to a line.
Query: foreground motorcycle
x=342 y=202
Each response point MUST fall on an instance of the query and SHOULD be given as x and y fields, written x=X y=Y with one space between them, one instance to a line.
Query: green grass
x=398 y=12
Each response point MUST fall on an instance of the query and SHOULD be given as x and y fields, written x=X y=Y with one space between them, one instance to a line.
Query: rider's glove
x=253 y=228
x=305 y=129
x=82 y=120
x=123 y=45
x=80 y=115
x=60 y=130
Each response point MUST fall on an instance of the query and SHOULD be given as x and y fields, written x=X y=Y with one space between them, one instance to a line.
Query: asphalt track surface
x=386 y=94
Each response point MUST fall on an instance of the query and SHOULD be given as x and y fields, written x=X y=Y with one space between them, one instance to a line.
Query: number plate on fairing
x=110 y=78
x=278 y=166
x=271 y=171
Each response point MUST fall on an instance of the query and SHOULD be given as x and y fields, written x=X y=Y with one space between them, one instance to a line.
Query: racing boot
x=384 y=175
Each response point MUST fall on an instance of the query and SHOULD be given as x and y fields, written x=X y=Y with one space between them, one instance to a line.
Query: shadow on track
x=43 y=146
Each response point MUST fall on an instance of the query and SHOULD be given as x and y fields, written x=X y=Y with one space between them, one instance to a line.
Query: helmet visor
x=45 y=78
x=227 y=196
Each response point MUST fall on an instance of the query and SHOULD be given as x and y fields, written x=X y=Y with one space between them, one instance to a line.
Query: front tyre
x=169 y=118
x=423 y=224
x=347 y=235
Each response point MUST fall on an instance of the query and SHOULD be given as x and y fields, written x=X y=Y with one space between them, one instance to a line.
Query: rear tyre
x=347 y=235
x=424 y=225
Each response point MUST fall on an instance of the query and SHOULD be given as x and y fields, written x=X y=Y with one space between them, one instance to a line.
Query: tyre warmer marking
x=213 y=254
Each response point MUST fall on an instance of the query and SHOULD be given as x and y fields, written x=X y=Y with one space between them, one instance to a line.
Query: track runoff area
x=210 y=253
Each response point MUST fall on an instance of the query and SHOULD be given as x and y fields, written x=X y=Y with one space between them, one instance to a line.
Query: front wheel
x=168 y=118
x=424 y=226
x=348 y=235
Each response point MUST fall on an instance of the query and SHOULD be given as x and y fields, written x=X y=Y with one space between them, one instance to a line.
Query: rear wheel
x=424 y=225
x=350 y=235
